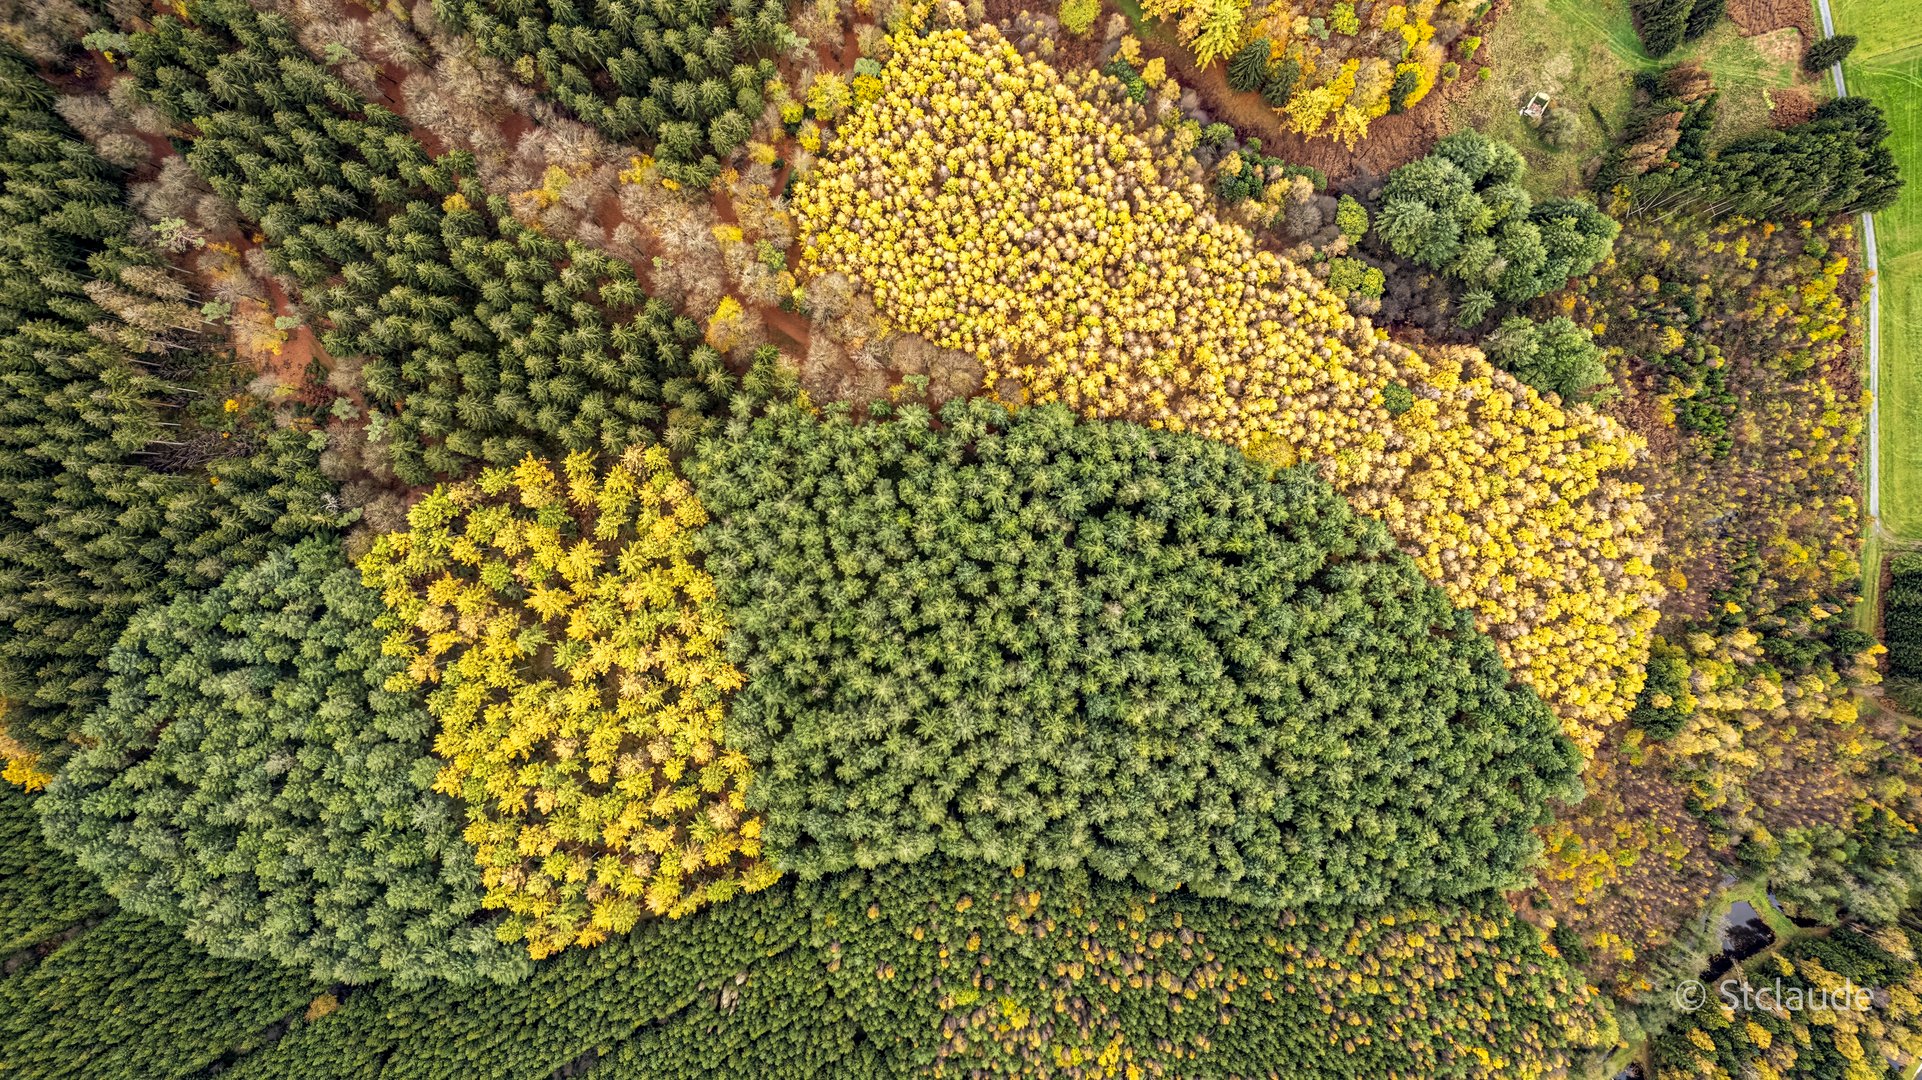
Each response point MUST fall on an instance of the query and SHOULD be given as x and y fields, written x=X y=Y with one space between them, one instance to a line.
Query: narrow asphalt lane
x=1874 y=315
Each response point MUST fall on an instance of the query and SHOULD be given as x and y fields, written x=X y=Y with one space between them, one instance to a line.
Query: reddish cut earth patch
x=1762 y=16
x=1791 y=106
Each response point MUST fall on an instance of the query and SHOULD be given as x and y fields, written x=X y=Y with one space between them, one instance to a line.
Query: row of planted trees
x=920 y=970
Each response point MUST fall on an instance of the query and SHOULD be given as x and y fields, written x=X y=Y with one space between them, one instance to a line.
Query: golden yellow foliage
x=993 y=210
x=575 y=651
x=1347 y=66
x=1217 y=29
x=22 y=768
x=727 y=326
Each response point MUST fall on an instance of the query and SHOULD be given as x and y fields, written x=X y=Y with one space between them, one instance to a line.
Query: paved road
x=1874 y=318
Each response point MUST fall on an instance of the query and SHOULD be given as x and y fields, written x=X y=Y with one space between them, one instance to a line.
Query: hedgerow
x=992 y=210
x=484 y=339
x=1024 y=639
x=573 y=648
x=249 y=777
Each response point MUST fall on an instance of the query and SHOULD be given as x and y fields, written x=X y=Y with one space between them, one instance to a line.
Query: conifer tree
x=1662 y=24
x=1248 y=70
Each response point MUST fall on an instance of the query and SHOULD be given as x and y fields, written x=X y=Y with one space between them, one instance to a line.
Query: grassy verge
x=1583 y=53
x=1866 y=611
x=1887 y=66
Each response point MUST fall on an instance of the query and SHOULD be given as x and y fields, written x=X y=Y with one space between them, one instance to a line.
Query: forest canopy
x=1028 y=640
x=250 y=777
x=1127 y=292
x=935 y=538
x=573 y=652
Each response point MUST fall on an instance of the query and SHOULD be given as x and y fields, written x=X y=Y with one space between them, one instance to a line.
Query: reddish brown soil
x=290 y=365
x=387 y=82
x=1792 y=105
x=93 y=74
x=842 y=60
x=513 y=126
x=301 y=348
x=785 y=324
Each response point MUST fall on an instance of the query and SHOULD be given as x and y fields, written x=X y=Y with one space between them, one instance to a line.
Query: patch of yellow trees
x=1348 y=63
x=574 y=651
x=993 y=210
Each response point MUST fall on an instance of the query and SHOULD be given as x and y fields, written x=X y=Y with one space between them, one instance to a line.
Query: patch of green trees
x=1902 y=615
x=115 y=488
x=1553 y=355
x=1027 y=640
x=1662 y=708
x=1867 y=870
x=249 y=778
x=1668 y=128
x=40 y=895
x=483 y=339
x=1902 y=629
x=1828 y=52
x=129 y=1000
x=688 y=75
x=111 y=995
x=1665 y=24
x=1461 y=211
x=1836 y=163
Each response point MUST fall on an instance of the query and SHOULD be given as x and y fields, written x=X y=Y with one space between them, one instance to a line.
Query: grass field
x=1586 y=51
x=1887 y=66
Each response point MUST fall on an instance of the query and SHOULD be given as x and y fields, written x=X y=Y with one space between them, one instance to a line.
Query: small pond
x=1743 y=935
